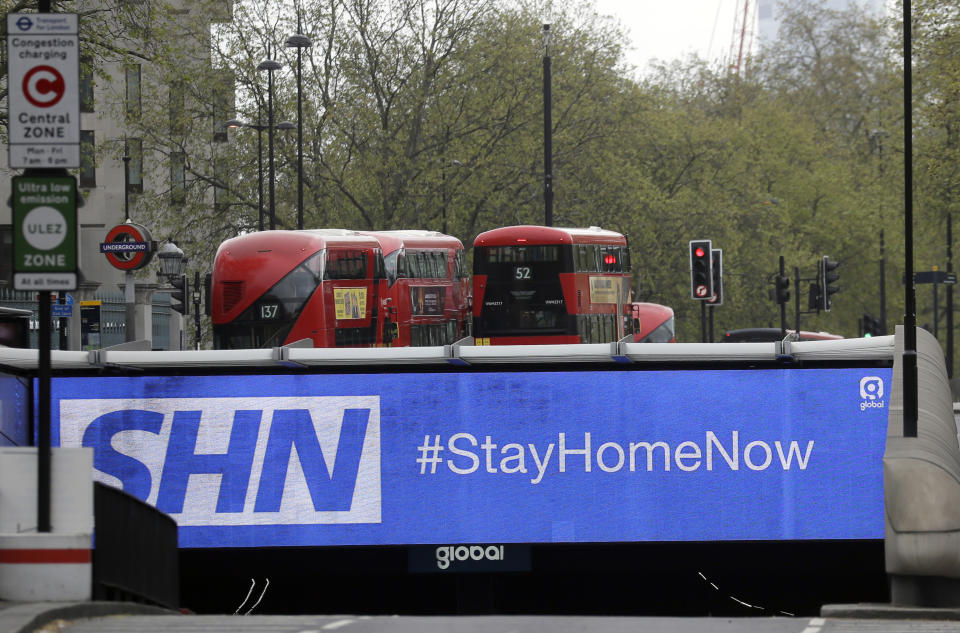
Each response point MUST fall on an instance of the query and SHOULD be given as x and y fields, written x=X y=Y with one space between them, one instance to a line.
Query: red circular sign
x=701 y=290
x=129 y=260
x=43 y=86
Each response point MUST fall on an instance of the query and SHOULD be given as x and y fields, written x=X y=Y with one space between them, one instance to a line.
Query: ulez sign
x=44 y=90
x=44 y=233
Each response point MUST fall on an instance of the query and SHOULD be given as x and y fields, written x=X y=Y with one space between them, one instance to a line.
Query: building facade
x=138 y=123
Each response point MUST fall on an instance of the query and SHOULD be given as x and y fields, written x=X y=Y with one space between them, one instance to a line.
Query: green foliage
x=430 y=115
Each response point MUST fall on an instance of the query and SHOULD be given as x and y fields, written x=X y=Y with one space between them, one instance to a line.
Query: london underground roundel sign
x=128 y=246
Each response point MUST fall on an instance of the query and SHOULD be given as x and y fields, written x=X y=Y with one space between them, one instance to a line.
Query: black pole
x=196 y=308
x=43 y=393
x=910 y=382
x=703 y=321
x=299 y=136
x=710 y=339
x=43 y=431
x=883 y=285
x=936 y=311
x=260 y=168
x=300 y=41
x=547 y=131
x=783 y=306
x=273 y=217
x=949 y=295
x=129 y=291
x=796 y=299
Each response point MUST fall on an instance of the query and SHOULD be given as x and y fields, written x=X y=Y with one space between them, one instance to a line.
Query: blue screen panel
x=510 y=457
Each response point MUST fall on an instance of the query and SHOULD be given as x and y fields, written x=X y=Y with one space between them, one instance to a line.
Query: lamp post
x=270 y=65
x=299 y=42
x=283 y=125
x=547 y=131
x=172 y=261
x=172 y=267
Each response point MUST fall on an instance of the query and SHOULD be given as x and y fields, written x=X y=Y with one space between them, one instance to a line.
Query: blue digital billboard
x=499 y=457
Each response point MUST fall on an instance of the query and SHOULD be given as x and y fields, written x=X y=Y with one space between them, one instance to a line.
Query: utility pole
x=547 y=131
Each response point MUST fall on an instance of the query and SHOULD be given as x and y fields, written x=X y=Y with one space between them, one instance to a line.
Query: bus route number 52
x=522 y=272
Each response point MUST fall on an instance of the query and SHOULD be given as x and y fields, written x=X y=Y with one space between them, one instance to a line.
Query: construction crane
x=743 y=27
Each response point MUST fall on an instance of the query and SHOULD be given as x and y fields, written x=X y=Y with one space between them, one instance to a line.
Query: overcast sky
x=669 y=29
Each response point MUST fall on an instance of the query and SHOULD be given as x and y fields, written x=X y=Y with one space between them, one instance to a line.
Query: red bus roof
x=275 y=253
x=528 y=234
x=394 y=240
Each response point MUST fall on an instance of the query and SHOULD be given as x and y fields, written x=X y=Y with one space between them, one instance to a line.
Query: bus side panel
x=313 y=321
x=331 y=290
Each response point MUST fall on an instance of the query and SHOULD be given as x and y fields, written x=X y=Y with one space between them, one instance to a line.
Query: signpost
x=44 y=90
x=43 y=126
x=45 y=233
x=128 y=247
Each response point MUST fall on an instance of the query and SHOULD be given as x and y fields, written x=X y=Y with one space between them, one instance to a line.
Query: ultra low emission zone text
x=610 y=457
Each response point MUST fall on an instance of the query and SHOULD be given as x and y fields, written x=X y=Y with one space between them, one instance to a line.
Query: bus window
x=346 y=264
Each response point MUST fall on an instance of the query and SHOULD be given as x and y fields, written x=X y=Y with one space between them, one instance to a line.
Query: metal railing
x=112 y=317
x=135 y=556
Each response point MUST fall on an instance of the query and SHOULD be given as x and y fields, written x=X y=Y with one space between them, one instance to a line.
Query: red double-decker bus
x=426 y=290
x=537 y=284
x=338 y=288
x=652 y=323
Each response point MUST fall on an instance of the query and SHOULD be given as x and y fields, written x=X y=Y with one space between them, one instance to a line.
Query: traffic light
x=701 y=275
x=716 y=269
x=181 y=294
x=813 y=298
x=781 y=289
x=827 y=276
x=871 y=326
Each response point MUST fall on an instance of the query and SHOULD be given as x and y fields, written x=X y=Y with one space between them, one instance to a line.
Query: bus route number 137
x=522 y=272
x=269 y=311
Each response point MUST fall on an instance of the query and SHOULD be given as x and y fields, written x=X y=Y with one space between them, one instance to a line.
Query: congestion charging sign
x=44 y=90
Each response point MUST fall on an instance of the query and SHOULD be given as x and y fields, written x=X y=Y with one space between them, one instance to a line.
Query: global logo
x=871 y=393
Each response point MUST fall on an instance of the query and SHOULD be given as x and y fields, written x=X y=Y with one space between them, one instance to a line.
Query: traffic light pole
x=796 y=299
x=710 y=311
x=783 y=305
x=703 y=321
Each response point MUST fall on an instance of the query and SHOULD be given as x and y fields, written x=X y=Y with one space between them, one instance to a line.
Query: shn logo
x=237 y=461
x=871 y=388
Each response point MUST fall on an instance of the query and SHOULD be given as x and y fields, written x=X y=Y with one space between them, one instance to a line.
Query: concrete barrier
x=54 y=566
x=922 y=486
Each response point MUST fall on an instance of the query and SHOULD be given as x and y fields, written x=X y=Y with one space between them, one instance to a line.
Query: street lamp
x=172 y=261
x=547 y=131
x=299 y=42
x=270 y=65
x=283 y=125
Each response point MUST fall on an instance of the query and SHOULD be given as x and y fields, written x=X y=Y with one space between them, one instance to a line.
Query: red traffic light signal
x=701 y=270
